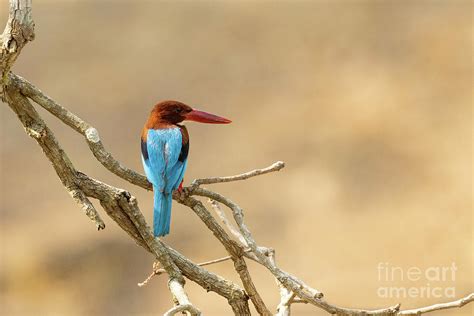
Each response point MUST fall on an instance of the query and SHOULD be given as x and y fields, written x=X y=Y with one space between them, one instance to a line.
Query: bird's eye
x=178 y=110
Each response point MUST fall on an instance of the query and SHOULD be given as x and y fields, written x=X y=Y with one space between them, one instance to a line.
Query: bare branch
x=436 y=307
x=118 y=206
x=217 y=208
x=210 y=262
x=236 y=297
x=123 y=208
x=286 y=296
x=202 y=264
x=182 y=308
x=17 y=33
x=293 y=285
x=183 y=302
x=37 y=129
x=277 y=166
x=299 y=300
x=88 y=208
x=233 y=248
x=157 y=271
x=79 y=125
x=209 y=281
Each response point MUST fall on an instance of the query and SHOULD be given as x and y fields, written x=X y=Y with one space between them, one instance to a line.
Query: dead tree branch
x=123 y=208
x=82 y=127
x=437 y=307
x=157 y=271
x=277 y=166
x=18 y=32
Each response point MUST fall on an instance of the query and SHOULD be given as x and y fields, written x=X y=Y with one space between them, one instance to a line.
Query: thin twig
x=215 y=205
x=277 y=166
x=298 y=300
x=158 y=271
x=436 y=307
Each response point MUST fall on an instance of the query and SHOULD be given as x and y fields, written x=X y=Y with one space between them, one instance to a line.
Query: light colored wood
x=123 y=208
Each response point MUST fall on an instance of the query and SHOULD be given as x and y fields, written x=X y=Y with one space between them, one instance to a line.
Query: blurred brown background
x=368 y=102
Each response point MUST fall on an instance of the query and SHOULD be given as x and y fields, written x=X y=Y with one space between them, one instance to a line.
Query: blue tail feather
x=161 y=212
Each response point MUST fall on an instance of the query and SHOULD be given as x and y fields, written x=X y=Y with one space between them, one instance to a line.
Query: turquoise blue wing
x=162 y=166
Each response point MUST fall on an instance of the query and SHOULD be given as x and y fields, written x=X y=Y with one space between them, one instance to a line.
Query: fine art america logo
x=431 y=280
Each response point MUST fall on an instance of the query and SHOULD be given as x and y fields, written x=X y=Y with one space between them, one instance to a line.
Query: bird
x=164 y=152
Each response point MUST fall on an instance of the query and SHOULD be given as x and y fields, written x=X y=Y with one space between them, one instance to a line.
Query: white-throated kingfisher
x=165 y=147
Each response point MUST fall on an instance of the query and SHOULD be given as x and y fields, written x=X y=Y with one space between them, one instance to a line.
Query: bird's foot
x=181 y=192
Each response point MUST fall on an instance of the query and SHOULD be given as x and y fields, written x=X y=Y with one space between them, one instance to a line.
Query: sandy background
x=368 y=102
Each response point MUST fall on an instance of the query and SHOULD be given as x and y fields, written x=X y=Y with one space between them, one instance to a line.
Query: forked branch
x=123 y=208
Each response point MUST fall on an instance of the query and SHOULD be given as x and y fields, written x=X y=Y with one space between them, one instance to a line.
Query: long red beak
x=203 y=117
